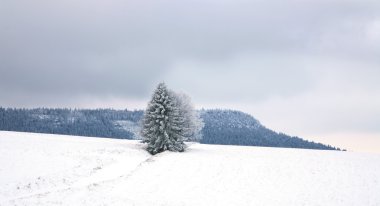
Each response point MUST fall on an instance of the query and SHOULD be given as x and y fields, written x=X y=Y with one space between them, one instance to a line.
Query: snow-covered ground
x=42 y=169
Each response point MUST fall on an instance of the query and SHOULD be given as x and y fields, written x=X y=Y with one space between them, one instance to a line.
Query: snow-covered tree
x=163 y=123
x=193 y=123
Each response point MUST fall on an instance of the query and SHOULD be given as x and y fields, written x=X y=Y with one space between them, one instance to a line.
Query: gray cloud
x=296 y=58
x=122 y=47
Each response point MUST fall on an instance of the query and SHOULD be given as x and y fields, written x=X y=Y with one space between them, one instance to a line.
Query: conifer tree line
x=78 y=122
x=169 y=120
x=226 y=127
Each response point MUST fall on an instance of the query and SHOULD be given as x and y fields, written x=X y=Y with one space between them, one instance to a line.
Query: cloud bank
x=303 y=67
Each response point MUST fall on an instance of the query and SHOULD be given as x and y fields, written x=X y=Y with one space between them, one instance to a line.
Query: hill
x=44 y=169
x=237 y=128
x=221 y=126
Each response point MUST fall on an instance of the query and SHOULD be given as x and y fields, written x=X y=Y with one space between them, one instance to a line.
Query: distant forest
x=81 y=122
x=225 y=127
x=237 y=128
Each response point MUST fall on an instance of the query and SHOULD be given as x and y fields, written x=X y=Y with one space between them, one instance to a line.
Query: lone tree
x=168 y=121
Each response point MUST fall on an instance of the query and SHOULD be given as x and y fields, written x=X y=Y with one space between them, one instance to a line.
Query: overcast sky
x=306 y=68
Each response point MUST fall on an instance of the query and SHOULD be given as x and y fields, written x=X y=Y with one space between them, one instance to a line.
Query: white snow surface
x=44 y=169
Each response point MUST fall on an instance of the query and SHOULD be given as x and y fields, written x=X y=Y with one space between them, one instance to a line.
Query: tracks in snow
x=89 y=182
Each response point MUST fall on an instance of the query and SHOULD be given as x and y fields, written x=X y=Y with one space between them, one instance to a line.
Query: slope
x=40 y=169
x=230 y=127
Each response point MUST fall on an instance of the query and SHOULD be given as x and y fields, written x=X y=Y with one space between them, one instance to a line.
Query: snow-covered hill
x=41 y=169
x=226 y=127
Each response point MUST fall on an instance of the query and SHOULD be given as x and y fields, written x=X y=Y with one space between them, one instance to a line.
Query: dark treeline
x=237 y=128
x=81 y=122
x=221 y=126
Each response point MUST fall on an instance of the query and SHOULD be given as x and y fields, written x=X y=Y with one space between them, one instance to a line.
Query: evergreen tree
x=162 y=123
x=193 y=123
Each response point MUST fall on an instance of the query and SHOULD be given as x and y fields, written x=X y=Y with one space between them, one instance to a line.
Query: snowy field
x=41 y=169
